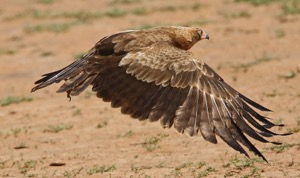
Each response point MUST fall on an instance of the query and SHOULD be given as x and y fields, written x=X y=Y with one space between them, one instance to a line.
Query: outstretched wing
x=162 y=82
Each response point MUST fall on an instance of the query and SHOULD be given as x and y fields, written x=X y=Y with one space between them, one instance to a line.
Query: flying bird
x=151 y=75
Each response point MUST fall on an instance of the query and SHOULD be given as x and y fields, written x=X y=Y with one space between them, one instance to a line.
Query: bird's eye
x=197 y=35
x=200 y=33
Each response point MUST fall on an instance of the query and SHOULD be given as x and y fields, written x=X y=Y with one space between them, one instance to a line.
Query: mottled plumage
x=151 y=75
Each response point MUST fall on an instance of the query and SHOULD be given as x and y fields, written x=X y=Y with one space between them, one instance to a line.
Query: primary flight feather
x=150 y=74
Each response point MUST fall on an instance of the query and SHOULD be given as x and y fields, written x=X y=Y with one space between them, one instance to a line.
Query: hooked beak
x=204 y=36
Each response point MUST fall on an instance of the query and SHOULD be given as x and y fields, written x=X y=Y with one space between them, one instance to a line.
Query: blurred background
x=254 y=45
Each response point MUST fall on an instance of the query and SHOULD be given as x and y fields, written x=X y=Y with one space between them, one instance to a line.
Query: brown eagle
x=150 y=74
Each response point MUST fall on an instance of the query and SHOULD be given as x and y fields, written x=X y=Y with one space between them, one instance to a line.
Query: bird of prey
x=151 y=75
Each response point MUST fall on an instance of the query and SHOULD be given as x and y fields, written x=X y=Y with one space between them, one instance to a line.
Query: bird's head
x=186 y=37
x=202 y=34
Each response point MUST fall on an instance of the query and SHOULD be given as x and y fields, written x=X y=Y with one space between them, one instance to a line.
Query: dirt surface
x=255 y=48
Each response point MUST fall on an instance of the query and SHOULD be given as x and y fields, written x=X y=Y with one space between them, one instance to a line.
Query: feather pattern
x=150 y=74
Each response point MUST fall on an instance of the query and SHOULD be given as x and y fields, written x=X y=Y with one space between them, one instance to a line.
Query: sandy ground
x=254 y=48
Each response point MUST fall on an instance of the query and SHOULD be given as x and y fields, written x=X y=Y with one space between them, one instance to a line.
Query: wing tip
x=36 y=88
x=276 y=143
x=33 y=89
x=286 y=134
x=39 y=86
x=254 y=104
x=261 y=156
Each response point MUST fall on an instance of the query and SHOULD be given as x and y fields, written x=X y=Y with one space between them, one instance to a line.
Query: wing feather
x=243 y=125
x=193 y=124
x=149 y=77
x=185 y=111
x=207 y=128
x=166 y=106
x=235 y=129
x=221 y=129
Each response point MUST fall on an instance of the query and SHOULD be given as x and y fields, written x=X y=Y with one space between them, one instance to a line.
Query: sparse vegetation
x=18 y=15
x=101 y=169
x=254 y=172
x=291 y=7
x=169 y=8
x=47 y=53
x=184 y=165
x=279 y=33
x=7 y=51
x=46 y=1
x=151 y=143
x=234 y=15
x=53 y=27
x=188 y=23
x=3 y=164
x=262 y=59
x=272 y=93
x=200 y=169
x=58 y=128
x=16 y=131
x=136 y=169
x=298 y=121
x=257 y=2
x=178 y=169
x=116 y=13
x=102 y=124
x=278 y=121
x=128 y=134
x=77 y=112
x=14 y=100
x=83 y=16
x=285 y=146
x=114 y=2
x=295 y=129
x=206 y=172
x=288 y=75
x=237 y=165
x=26 y=166
x=72 y=173
x=241 y=163
x=140 y=11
